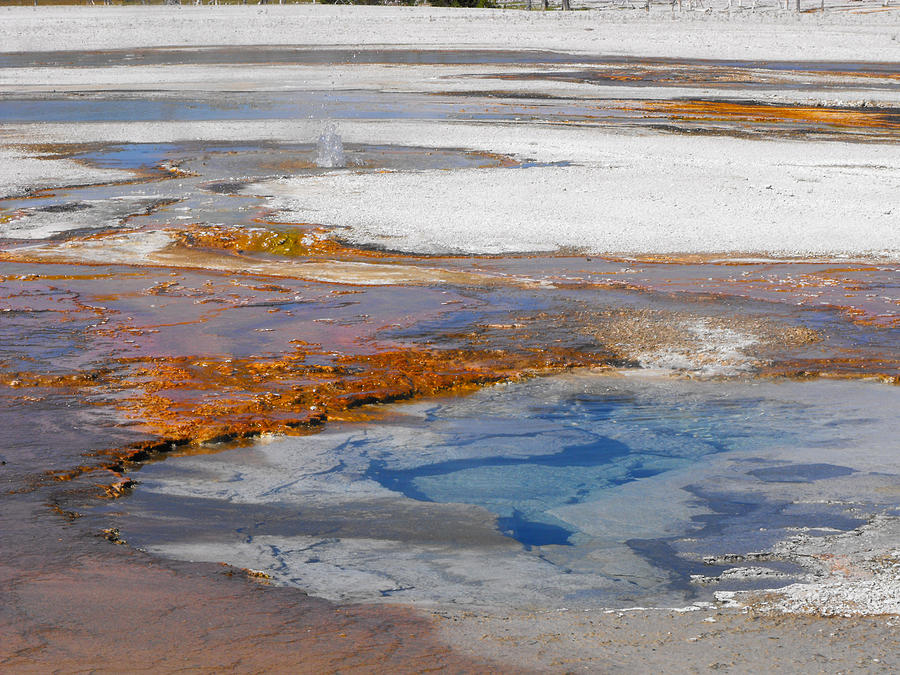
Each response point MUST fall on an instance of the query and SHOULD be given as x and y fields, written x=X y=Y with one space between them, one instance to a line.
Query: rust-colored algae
x=68 y=380
x=307 y=242
x=191 y=403
x=762 y=113
x=188 y=401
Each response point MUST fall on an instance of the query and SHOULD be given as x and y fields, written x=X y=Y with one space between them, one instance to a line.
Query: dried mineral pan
x=628 y=195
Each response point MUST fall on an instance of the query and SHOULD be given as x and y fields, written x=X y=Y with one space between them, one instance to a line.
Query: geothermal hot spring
x=620 y=432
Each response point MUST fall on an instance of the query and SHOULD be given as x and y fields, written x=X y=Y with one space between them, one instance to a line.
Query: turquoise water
x=575 y=490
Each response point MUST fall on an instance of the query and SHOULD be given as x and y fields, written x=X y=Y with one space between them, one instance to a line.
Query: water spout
x=330 y=148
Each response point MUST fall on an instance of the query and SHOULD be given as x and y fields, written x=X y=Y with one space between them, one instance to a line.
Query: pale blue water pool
x=579 y=490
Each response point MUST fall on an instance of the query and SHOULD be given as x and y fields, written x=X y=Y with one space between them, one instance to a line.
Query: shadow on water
x=518 y=486
x=523 y=487
x=532 y=533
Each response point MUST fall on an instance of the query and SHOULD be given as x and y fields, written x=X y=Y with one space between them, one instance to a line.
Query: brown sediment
x=646 y=329
x=707 y=343
x=33 y=276
x=883 y=369
x=73 y=603
x=626 y=331
x=492 y=159
x=710 y=75
x=863 y=317
x=858 y=73
x=631 y=335
x=669 y=75
x=286 y=165
x=849 y=284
